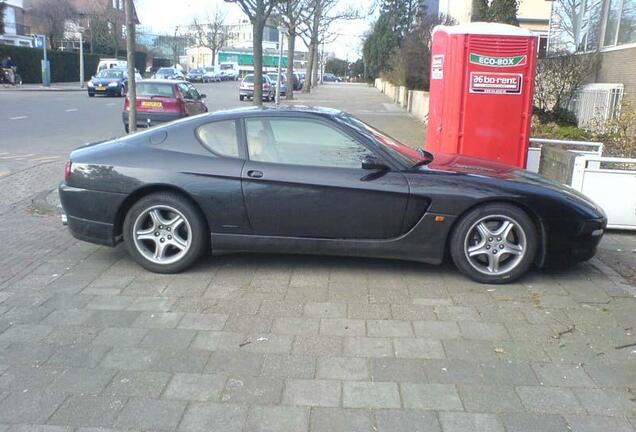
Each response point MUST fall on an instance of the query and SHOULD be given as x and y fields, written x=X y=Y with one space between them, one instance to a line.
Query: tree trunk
x=130 y=54
x=257 y=28
x=308 y=69
x=314 y=72
x=291 y=46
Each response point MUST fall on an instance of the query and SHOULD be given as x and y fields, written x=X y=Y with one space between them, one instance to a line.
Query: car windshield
x=111 y=73
x=196 y=71
x=403 y=153
x=155 y=89
x=167 y=71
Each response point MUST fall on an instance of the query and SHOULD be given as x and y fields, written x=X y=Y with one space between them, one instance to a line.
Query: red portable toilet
x=482 y=81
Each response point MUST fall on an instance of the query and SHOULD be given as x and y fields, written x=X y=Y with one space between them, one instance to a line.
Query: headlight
x=113 y=84
x=90 y=84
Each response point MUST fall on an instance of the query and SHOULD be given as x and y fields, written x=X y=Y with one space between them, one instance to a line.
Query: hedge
x=64 y=64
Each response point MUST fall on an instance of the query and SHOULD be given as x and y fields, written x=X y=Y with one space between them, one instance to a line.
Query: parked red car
x=160 y=101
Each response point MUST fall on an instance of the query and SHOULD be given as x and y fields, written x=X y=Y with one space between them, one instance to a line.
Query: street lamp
x=81 y=55
x=281 y=31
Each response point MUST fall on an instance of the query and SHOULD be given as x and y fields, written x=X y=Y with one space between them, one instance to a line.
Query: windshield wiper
x=428 y=158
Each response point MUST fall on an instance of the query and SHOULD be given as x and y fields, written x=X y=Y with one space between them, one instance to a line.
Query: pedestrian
x=8 y=67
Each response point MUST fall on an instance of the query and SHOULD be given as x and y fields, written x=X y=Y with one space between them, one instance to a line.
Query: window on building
x=627 y=25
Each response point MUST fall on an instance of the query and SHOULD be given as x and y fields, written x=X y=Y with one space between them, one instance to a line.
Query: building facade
x=15 y=30
x=605 y=27
x=239 y=35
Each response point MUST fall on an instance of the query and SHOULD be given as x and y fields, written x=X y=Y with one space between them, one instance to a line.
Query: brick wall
x=619 y=66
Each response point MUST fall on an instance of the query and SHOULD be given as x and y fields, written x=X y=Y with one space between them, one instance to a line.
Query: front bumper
x=149 y=118
x=572 y=242
x=108 y=91
x=250 y=94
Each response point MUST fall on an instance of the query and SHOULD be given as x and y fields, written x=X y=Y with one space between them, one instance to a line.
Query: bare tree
x=566 y=19
x=317 y=21
x=210 y=34
x=258 y=11
x=100 y=25
x=52 y=17
x=291 y=12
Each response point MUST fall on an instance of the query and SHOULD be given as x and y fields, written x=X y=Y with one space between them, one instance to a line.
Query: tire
x=126 y=128
x=91 y=95
x=486 y=251
x=191 y=234
x=241 y=98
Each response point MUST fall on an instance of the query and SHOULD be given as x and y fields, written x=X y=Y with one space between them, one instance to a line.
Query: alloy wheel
x=495 y=245
x=162 y=234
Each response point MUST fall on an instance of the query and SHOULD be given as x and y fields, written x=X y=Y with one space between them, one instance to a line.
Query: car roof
x=161 y=81
x=283 y=109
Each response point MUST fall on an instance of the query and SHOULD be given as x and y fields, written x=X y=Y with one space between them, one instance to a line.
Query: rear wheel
x=241 y=97
x=165 y=233
x=494 y=243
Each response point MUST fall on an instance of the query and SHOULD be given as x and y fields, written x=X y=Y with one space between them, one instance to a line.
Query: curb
x=41 y=89
x=613 y=276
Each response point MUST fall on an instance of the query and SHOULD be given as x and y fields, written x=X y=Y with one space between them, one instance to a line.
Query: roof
x=324 y=111
x=484 y=28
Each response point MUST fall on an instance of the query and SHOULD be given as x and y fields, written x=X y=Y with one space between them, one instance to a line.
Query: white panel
x=615 y=192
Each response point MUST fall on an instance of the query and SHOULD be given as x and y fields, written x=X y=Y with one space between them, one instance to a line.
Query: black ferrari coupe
x=318 y=181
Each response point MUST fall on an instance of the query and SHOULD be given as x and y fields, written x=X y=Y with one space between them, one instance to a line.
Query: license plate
x=151 y=104
x=100 y=88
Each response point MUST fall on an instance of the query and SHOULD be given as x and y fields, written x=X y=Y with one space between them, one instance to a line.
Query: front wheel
x=494 y=243
x=165 y=233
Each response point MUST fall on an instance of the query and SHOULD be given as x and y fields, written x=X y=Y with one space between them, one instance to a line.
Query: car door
x=303 y=178
x=199 y=105
x=188 y=99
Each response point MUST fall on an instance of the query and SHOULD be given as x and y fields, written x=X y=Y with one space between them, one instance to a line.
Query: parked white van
x=111 y=63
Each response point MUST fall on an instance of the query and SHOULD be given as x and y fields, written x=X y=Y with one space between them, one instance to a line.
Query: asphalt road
x=38 y=125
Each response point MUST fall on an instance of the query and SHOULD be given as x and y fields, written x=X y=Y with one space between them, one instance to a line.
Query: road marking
x=110 y=104
x=18 y=117
x=71 y=110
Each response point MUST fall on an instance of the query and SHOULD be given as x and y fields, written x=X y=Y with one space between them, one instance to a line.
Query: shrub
x=619 y=134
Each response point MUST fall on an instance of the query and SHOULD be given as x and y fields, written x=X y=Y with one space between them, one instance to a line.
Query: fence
x=414 y=101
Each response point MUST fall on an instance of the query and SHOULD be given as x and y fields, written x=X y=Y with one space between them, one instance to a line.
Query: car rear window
x=220 y=137
x=249 y=79
x=155 y=89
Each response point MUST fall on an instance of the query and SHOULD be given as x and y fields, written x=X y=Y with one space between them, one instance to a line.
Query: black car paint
x=390 y=213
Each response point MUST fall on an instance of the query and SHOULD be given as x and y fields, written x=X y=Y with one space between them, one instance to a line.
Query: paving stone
x=418 y=348
x=289 y=366
x=457 y=313
x=37 y=428
x=151 y=414
x=25 y=333
x=203 y=321
x=340 y=420
x=508 y=373
x=368 y=311
x=178 y=339
x=522 y=422
x=436 y=329
x=216 y=340
x=78 y=356
x=389 y=328
x=114 y=303
x=580 y=423
x=412 y=312
x=359 y=394
x=195 y=387
x=400 y=370
x=483 y=330
x=469 y=350
x=269 y=343
x=296 y=326
x=29 y=407
x=125 y=358
x=318 y=345
x=25 y=354
x=598 y=402
x=68 y=317
x=551 y=400
x=75 y=335
x=406 y=420
x=461 y=422
x=253 y=390
x=562 y=375
x=235 y=363
x=113 y=336
x=342 y=368
x=277 y=419
x=342 y=327
x=275 y=308
x=27 y=378
x=490 y=399
x=88 y=411
x=325 y=310
x=158 y=304
x=612 y=376
x=245 y=323
x=111 y=318
x=141 y=384
x=368 y=347
x=81 y=381
x=158 y=319
x=431 y=396
x=453 y=372
x=205 y=417
x=323 y=393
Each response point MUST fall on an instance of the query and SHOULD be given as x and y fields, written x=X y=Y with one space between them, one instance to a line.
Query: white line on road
x=71 y=110
x=110 y=104
x=18 y=117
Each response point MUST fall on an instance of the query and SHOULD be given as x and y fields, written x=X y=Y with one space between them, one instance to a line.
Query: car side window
x=185 y=91
x=302 y=142
x=220 y=137
x=194 y=92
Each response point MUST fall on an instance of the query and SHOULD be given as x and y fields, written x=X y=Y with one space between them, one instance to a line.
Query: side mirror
x=371 y=162
x=202 y=96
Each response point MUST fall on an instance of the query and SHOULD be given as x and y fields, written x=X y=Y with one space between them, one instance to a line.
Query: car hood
x=105 y=81
x=483 y=168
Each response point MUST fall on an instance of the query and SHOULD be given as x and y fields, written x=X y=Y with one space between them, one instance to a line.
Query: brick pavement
x=302 y=343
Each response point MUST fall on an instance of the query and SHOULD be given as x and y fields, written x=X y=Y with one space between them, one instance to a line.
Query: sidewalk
x=55 y=87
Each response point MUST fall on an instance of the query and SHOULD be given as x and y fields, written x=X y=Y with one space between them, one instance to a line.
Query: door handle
x=255 y=173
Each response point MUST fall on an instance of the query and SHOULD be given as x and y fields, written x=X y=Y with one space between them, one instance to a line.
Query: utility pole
x=130 y=54
x=281 y=39
x=81 y=55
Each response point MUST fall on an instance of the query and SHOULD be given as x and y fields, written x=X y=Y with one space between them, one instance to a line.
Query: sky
x=161 y=16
